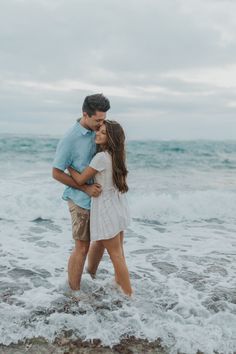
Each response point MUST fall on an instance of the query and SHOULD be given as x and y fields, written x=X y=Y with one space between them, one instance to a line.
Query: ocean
x=180 y=249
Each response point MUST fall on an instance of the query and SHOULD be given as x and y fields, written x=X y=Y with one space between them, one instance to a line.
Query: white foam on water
x=183 y=206
x=176 y=275
x=42 y=199
x=180 y=250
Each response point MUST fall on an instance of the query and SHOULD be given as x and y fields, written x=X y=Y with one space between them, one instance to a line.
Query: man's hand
x=93 y=190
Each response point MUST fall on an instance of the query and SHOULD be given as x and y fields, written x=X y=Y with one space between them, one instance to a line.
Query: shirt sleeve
x=63 y=155
x=98 y=162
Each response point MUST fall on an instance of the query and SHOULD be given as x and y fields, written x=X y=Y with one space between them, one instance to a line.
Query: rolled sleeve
x=63 y=155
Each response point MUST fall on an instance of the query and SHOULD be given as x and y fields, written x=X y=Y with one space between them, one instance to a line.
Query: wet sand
x=65 y=345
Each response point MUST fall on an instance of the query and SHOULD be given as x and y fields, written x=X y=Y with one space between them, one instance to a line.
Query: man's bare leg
x=95 y=255
x=76 y=263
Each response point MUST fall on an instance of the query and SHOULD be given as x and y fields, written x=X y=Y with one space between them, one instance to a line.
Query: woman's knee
x=97 y=246
x=116 y=256
x=112 y=242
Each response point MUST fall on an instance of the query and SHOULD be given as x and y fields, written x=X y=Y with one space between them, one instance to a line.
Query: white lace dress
x=109 y=212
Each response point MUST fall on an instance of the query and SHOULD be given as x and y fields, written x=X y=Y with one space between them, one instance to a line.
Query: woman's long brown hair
x=116 y=148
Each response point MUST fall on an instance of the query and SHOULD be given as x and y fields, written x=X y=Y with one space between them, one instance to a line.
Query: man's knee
x=82 y=247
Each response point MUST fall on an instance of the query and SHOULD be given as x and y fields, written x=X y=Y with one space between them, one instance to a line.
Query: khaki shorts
x=80 y=222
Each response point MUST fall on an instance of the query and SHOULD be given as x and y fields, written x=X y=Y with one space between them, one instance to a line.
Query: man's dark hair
x=94 y=103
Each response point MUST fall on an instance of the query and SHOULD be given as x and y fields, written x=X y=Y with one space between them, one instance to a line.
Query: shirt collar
x=82 y=129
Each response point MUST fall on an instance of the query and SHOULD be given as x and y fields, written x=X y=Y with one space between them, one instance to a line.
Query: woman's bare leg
x=114 y=249
x=122 y=242
x=95 y=255
x=122 y=249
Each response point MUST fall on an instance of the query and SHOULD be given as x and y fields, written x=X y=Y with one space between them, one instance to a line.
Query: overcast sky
x=167 y=66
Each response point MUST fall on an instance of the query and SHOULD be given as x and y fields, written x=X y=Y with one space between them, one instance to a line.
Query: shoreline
x=64 y=345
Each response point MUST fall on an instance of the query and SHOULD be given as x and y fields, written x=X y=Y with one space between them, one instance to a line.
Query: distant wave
x=184 y=206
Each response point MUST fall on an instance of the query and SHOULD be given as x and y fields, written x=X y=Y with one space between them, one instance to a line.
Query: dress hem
x=108 y=237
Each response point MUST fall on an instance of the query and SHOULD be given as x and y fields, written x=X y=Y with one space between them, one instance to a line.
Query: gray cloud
x=150 y=57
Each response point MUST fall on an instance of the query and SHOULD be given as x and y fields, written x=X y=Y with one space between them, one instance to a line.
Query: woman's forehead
x=102 y=128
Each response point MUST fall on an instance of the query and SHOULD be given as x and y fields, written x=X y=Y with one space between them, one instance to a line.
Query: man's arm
x=92 y=190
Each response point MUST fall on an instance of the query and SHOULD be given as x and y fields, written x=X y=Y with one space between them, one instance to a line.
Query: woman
x=109 y=214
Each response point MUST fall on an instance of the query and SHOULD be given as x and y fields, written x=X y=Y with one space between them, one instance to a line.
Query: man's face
x=96 y=120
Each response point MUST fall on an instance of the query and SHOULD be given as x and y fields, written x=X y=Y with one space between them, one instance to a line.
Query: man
x=77 y=149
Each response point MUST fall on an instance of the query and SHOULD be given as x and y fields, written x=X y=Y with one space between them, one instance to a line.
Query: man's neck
x=82 y=122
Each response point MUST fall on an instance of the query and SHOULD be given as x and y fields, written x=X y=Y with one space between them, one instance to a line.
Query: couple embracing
x=93 y=153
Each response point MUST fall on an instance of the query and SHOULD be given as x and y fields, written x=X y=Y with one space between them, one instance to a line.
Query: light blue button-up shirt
x=76 y=149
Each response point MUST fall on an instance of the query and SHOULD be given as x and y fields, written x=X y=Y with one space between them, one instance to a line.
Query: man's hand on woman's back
x=93 y=190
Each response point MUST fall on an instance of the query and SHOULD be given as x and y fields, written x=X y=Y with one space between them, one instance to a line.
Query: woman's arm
x=81 y=178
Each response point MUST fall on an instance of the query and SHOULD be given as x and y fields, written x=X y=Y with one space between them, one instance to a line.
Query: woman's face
x=101 y=135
